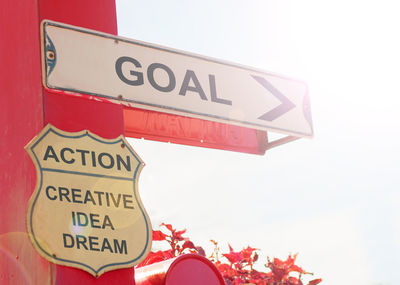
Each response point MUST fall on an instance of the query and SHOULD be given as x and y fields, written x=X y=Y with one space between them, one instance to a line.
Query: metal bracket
x=281 y=141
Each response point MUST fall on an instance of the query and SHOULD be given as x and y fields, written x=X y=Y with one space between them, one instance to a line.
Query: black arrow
x=283 y=108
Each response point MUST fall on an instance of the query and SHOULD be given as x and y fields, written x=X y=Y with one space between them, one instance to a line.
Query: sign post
x=29 y=106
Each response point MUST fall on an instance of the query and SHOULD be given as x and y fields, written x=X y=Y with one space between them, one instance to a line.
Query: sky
x=334 y=198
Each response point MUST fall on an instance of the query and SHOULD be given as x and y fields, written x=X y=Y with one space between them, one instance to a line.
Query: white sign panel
x=86 y=210
x=167 y=80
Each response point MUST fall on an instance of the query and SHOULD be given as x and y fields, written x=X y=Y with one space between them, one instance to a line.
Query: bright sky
x=334 y=198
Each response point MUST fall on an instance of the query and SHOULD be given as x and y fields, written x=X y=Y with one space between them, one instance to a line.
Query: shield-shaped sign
x=86 y=211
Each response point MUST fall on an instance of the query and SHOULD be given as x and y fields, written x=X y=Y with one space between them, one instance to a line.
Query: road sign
x=158 y=78
x=86 y=211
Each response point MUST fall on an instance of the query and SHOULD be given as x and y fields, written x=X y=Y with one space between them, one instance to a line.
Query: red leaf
x=200 y=251
x=226 y=271
x=158 y=256
x=188 y=244
x=214 y=242
x=294 y=281
x=158 y=235
x=295 y=268
x=278 y=262
x=168 y=226
x=247 y=252
x=290 y=260
x=315 y=281
x=234 y=257
x=178 y=235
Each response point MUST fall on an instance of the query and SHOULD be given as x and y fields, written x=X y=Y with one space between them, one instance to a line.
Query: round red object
x=186 y=269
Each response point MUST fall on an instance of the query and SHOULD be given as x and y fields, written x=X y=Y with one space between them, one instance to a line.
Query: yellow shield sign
x=86 y=211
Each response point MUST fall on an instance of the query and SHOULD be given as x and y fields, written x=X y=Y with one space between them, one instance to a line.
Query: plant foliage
x=236 y=267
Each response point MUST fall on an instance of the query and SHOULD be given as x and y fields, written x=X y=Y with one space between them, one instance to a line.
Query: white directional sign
x=167 y=80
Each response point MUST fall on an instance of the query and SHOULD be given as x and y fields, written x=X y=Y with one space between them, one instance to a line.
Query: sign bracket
x=281 y=141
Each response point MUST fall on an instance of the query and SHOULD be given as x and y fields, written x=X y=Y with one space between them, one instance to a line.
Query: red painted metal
x=195 y=132
x=68 y=276
x=75 y=113
x=21 y=118
x=82 y=112
x=186 y=269
x=91 y=14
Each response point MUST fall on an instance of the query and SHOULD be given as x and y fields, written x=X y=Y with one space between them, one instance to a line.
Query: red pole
x=75 y=114
x=21 y=118
x=26 y=108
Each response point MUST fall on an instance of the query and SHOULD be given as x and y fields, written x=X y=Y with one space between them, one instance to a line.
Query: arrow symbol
x=278 y=111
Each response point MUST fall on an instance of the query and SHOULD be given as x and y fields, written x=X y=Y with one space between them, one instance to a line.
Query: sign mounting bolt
x=51 y=54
